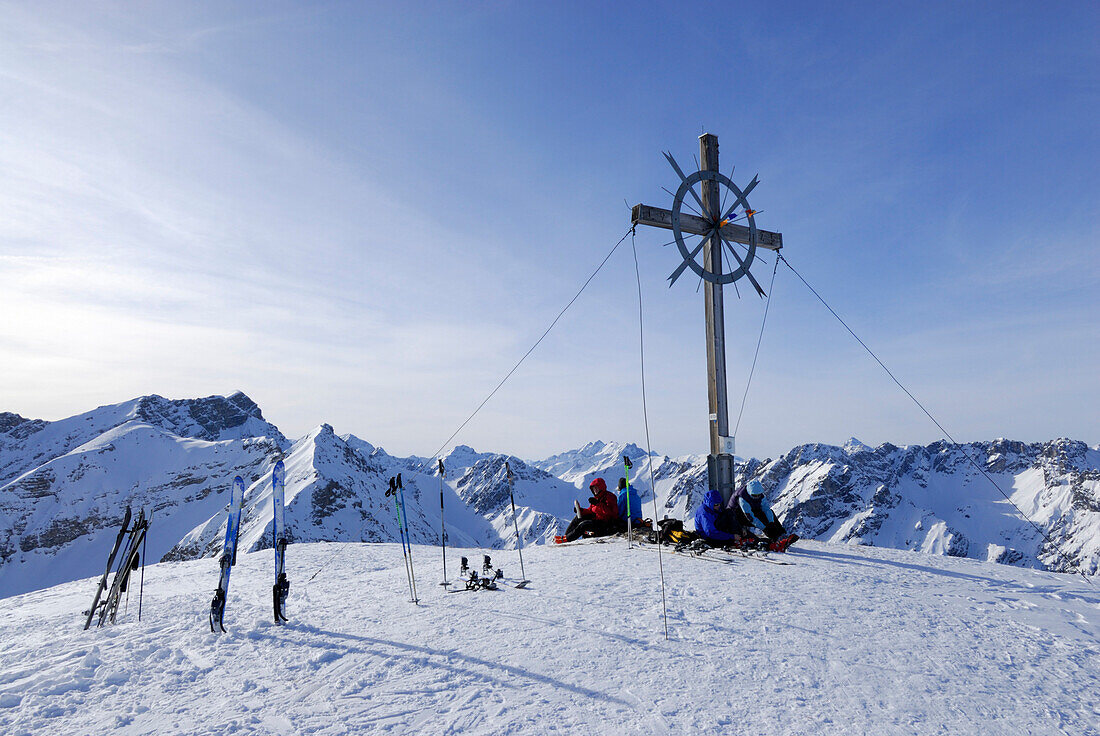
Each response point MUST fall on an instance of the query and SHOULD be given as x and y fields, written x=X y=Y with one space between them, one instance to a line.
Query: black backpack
x=671 y=531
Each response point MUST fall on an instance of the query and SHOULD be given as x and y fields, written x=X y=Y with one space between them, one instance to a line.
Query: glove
x=774 y=530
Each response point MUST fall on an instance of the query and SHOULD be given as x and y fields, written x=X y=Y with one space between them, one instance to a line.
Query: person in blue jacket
x=749 y=509
x=712 y=520
x=628 y=498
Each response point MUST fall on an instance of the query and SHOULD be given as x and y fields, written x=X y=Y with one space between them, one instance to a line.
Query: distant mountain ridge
x=64 y=486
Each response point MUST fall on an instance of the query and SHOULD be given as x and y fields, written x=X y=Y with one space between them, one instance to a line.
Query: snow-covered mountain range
x=64 y=486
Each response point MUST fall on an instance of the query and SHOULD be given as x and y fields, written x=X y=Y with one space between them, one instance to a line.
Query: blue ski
x=229 y=554
x=281 y=588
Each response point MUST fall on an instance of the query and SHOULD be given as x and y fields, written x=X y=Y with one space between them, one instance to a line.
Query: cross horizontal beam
x=643 y=214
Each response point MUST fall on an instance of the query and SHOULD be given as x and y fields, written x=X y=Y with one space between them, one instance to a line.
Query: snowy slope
x=174 y=458
x=845 y=640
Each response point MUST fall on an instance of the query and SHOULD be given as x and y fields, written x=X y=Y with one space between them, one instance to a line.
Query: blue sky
x=363 y=214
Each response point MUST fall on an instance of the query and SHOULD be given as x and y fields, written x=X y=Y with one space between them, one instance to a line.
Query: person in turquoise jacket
x=628 y=498
x=751 y=510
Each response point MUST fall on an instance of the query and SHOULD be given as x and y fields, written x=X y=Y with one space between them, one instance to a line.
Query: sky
x=365 y=213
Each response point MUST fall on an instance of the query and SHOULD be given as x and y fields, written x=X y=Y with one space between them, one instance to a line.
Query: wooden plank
x=643 y=214
x=714 y=310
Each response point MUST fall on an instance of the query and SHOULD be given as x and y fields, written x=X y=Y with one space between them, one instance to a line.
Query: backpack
x=672 y=531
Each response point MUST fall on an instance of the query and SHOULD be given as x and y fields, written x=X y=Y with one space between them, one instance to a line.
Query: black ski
x=128 y=561
x=106 y=573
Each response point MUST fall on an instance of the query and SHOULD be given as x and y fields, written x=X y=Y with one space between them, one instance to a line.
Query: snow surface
x=844 y=640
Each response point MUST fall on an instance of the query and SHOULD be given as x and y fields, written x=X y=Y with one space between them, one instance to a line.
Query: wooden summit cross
x=717 y=228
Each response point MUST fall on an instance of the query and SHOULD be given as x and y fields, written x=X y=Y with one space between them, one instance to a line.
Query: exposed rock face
x=938 y=498
x=18 y=428
x=544 y=504
x=211 y=418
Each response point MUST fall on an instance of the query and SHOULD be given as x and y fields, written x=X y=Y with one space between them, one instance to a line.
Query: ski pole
x=401 y=533
x=442 y=526
x=515 y=522
x=627 y=465
x=404 y=519
x=406 y=546
x=141 y=586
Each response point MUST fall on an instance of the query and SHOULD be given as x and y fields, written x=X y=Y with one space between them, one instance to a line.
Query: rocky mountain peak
x=209 y=418
x=17 y=427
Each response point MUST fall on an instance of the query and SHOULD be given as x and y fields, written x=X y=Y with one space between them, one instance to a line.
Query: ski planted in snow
x=519 y=540
x=627 y=465
x=128 y=561
x=396 y=490
x=229 y=555
x=107 y=573
x=442 y=525
x=281 y=589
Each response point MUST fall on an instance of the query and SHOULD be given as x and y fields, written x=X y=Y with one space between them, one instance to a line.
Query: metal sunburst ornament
x=708 y=226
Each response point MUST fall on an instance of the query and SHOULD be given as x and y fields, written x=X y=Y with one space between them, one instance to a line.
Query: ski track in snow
x=845 y=640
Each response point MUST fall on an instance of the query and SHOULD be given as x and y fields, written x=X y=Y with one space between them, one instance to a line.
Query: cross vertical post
x=718 y=229
x=719 y=461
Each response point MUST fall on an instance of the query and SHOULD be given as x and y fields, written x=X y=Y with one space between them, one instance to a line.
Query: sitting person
x=599 y=519
x=712 y=521
x=629 y=503
x=749 y=509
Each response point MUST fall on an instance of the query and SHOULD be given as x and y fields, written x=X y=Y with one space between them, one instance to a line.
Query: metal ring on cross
x=713 y=275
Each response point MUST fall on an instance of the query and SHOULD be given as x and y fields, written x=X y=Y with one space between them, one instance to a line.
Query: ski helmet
x=756 y=488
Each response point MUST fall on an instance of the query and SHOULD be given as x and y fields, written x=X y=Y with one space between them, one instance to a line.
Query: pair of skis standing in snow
x=132 y=554
x=281 y=589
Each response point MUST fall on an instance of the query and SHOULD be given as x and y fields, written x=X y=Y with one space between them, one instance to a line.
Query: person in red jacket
x=599 y=519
